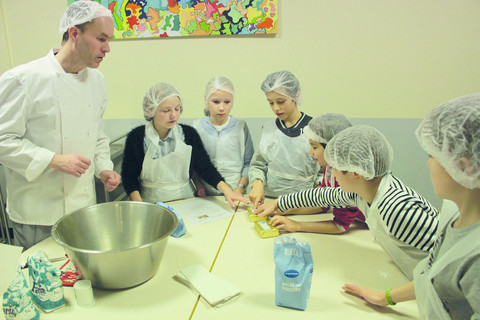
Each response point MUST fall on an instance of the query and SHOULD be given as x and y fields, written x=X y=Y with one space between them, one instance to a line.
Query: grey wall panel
x=409 y=162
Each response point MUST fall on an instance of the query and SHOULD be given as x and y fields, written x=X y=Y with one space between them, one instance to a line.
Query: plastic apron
x=79 y=137
x=166 y=178
x=290 y=166
x=429 y=304
x=329 y=177
x=406 y=257
x=226 y=152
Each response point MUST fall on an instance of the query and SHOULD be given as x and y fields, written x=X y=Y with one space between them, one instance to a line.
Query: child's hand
x=371 y=296
x=281 y=213
x=266 y=208
x=238 y=193
x=198 y=186
x=257 y=195
x=201 y=191
x=233 y=198
x=281 y=222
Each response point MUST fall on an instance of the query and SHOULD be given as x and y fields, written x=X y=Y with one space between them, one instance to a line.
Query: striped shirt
x=408 y=216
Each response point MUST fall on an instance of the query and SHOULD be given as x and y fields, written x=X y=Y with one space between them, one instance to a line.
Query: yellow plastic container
x=265 y=230
x=253 y=217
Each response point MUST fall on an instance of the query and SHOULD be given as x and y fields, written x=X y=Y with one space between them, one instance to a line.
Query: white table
x=161 y=296
x=246 y=260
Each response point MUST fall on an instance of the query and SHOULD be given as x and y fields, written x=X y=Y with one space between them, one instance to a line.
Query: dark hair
x=79 y=26
x=324 y=145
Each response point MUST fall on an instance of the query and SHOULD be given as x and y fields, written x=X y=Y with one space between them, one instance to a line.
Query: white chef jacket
x=45 y=111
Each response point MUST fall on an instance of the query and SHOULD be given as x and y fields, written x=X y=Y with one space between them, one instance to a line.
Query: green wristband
x=389 y=298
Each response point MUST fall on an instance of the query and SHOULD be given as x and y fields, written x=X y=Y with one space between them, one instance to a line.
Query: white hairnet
x=451 y=134
x=285 y=83
x=361 y=149
x=321 y=129
x=214 y=84
x=155 y=95
x=80 y=12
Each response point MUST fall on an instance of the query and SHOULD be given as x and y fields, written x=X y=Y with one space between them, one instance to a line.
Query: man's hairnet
x=214 y=84
x=285 y=83
x=321 y=129
x=80 y=12
x=361 y=149
x=155 y=95
x=451 y=134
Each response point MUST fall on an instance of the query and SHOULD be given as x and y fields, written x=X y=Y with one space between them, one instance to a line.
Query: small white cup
x=84 y=293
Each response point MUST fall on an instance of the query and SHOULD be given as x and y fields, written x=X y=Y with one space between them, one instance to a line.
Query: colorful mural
x=169 y=18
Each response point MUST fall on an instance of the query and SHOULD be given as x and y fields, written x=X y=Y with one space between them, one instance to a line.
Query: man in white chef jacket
x=52 y=141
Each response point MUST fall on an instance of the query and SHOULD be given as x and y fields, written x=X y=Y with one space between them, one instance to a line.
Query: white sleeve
x=16 y=152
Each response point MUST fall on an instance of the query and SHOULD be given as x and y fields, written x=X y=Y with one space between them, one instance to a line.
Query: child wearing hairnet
x=159 y=157
x=318 y=132
x=445 y=283
x=226 y=138
x=281 y=164
x=401 y=221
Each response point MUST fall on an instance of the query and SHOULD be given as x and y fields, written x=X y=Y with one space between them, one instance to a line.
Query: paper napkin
x=213 y=289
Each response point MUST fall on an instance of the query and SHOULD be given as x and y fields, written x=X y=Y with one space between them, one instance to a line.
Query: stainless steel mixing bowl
x=116 y=245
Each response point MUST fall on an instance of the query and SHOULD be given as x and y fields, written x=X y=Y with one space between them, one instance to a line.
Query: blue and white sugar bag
x=45 y=282
x=17 y=300
x=181 y=228
x=293 y=272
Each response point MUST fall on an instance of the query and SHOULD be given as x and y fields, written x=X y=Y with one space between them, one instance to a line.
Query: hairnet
x=361 y=149
x=321 y=129
x=214 y=84
x=450 y=134
x=80 y=12
x=285 y=83
x=155 y=95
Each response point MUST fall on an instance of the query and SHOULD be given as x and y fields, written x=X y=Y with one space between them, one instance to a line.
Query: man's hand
x=73 y=164
x=110 y=179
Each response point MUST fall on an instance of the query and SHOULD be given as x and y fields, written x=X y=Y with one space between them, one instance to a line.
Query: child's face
x=167 y=113
x=281 y=105
x=219 y=105
x=345 y=180
x=443 y=184
x=317 y=150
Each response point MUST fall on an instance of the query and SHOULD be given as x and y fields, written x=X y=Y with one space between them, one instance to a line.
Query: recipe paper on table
x=198 y=211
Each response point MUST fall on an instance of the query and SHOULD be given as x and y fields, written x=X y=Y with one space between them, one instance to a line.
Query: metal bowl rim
x=63 y=244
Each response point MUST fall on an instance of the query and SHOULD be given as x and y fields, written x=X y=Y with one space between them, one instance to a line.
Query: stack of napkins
x=214 y=290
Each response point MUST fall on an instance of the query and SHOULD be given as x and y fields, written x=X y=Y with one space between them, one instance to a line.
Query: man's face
x=92 y=44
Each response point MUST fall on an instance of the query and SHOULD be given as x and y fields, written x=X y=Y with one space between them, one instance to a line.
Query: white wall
x=363 y=58
x=382 y=62
x=5 y=62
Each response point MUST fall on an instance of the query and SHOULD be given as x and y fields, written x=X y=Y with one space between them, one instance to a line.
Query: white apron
x=290 y=167
x=405 y=256
x=429 y=304
x=166 y=178
x=329 y=177
x=226 y=153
